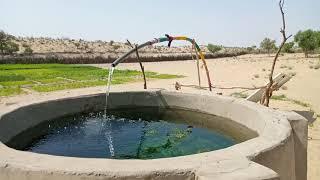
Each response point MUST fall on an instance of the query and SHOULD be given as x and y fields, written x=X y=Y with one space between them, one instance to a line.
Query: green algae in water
x=136 y=134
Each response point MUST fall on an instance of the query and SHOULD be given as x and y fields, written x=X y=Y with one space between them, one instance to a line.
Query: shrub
x=239 y=95
x=115 y=47
x=28 y=50
x=77 y=44
x=317 y=66
x=214 y=48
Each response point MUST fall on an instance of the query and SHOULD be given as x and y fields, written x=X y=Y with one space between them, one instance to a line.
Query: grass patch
x=162 y=76
x=300 y=103
x=7 y=91
x=15 y=83
x=282 y=97
x=52 y=80
x=73 y=85
x=239 y=95
x=52 y=77
x=30 y=66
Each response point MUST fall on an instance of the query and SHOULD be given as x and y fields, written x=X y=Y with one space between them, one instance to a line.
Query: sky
x=224 y=22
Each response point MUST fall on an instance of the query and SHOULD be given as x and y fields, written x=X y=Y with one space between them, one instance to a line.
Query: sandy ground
x=247 y=70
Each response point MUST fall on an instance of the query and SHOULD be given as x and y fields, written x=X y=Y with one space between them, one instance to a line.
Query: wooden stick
x=140 y=63
x=217 y=87
x=142 y=68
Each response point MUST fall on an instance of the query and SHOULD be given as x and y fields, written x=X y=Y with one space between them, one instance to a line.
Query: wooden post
x=206 y=68
x=142 y=68
x=140 y=63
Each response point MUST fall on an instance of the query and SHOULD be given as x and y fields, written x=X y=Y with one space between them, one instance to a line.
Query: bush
x=251 y=48
x=28 y=50
x=115 y=47
x=214 y=48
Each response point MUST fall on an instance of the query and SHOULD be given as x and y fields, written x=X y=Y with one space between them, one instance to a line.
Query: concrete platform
x=279 y=151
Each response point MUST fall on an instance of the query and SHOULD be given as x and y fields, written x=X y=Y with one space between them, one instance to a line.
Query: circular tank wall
x=266 y=151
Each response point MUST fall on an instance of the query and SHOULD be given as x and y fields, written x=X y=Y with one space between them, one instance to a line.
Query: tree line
x=308 y=41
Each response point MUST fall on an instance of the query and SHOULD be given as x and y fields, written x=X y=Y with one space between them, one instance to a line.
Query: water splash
x=108 y=135
x=111 y=69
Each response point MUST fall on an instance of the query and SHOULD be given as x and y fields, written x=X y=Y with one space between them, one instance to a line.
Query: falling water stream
x=109 y=131
x=111 y=69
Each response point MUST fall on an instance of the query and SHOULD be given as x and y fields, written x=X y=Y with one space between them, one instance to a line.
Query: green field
x=51 y=77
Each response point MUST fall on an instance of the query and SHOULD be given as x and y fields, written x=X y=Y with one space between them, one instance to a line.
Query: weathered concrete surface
x=236 y=169
x=278 y=152
x=300 y=134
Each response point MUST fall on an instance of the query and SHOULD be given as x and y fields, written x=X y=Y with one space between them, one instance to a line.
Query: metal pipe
x=148 y=43
x=122 y=58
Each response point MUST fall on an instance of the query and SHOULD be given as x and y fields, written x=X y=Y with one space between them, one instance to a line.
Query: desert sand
x=246 y=70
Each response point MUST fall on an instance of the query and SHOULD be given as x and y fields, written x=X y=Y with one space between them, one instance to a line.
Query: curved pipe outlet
x=169 y=39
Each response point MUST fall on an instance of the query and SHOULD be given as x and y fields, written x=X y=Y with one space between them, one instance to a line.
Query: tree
x=214 y=48
x=307 y=41
x=7 y=46
x=288 y=47
x=11 y=47
x=268 y=45
x=265 y=99
x=3 y=41
x=318 y=38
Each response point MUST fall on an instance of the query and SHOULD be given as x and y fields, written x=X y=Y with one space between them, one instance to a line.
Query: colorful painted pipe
x=169 y=39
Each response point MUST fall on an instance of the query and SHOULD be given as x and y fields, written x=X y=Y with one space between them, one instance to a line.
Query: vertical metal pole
x=197 y=59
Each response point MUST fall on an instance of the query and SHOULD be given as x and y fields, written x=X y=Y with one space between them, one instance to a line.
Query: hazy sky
x=226 y=22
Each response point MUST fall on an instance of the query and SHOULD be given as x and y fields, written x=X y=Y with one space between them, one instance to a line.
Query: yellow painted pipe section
x=180 y=38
